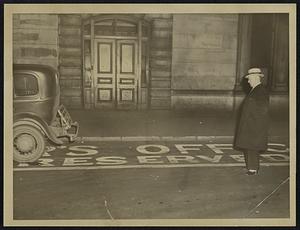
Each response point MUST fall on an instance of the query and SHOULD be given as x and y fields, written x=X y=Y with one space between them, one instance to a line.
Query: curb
x=151 y=166
x=161 y=138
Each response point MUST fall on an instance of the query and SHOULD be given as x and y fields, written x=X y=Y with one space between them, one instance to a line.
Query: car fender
x=34 y=120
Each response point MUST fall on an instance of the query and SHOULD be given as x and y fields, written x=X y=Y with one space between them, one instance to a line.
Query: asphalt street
x=151 y=180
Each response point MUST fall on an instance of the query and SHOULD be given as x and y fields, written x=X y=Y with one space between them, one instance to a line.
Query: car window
x=25 y=85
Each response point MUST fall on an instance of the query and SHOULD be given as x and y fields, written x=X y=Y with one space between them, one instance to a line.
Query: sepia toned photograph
x=149 y=114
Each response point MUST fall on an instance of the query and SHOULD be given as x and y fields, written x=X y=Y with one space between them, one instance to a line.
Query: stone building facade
x=157 y=61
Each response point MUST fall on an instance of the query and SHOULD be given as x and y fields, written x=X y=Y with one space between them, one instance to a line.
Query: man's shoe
x=252 y=172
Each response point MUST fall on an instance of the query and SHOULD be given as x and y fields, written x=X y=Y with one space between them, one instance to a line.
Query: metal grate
x=65 y=117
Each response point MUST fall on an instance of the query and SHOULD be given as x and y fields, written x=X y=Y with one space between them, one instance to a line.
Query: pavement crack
x=267 y=197
x=107 y=209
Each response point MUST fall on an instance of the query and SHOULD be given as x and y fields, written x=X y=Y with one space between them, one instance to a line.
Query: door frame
x=89 y=38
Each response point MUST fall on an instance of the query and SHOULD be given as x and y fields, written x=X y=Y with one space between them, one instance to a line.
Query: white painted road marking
x=144 y=166
x=168 y=155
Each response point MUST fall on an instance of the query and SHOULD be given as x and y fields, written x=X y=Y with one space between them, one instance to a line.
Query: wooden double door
x=115 y=74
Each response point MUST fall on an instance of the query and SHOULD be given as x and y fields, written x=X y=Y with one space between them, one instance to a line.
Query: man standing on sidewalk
x=252 y=132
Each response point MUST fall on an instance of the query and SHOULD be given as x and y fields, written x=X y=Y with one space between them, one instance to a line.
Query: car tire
x=29 y=143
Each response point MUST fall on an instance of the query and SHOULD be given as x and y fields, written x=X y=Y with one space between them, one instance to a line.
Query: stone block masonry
x=70 y=60
x=160 y=61
x=204 y=54
x=35 y=39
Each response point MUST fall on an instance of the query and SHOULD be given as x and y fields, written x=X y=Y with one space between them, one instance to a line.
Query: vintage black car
x=38 y=116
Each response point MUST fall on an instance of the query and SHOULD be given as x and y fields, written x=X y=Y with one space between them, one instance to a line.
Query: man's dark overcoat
x=252 y=131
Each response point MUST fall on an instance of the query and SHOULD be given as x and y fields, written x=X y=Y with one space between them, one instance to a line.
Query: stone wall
x=35 y=39
x=204 y=60
x=193 y=57
x=70 y=60
x=160 y=61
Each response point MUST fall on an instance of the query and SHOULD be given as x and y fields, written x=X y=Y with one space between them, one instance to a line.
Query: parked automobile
x=38 y=116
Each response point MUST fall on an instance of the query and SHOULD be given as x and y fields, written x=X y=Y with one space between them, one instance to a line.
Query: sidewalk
x=164 y=123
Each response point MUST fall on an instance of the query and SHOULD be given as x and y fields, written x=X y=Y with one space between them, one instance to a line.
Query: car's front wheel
x=29 y=143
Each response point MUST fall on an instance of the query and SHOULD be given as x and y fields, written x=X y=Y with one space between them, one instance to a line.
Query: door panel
x=104 y=72
x=127 y=74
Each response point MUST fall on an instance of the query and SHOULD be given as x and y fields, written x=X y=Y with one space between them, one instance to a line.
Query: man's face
x=253 y=80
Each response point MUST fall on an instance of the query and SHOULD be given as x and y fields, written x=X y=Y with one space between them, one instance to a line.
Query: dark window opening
x=124 y=28
x=25 y=85
x=113 y=27
x=105 y=27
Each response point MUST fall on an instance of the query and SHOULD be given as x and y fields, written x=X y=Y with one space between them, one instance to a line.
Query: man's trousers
x=252 y=159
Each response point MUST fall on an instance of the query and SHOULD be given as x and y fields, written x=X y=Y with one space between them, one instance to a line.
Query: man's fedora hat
x=254 y=71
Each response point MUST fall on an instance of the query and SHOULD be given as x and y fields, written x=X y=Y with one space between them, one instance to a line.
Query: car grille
x=66 y=119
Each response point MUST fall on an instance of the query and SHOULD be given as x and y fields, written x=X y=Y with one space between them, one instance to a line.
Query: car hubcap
x=25 y=143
